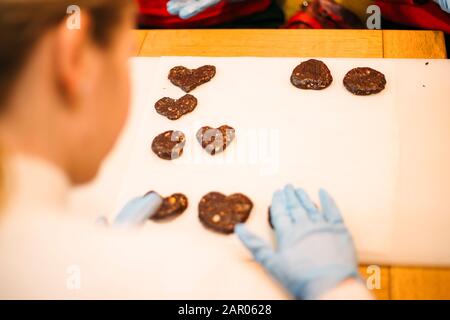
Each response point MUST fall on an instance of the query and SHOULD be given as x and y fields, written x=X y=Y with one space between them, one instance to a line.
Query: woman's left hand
x=136 y=211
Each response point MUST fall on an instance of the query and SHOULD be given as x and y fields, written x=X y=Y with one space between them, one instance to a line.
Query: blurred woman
x=64 y=98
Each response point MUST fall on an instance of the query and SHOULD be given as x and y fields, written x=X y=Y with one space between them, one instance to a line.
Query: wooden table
x=396 y=282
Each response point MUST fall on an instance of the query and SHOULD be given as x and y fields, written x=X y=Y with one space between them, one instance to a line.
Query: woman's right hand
x=314 y=251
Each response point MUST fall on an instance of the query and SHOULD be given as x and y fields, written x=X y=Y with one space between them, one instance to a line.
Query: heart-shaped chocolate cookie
x=215 y=140
x=175 y=109
x=172 y=207
x=221 y=213
x=169 y=145
x=189 y=79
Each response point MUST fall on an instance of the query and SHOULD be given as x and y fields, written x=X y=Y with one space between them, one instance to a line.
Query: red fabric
x=154 y=13
x=425 y=16
x=407 y=12
x=303 y=20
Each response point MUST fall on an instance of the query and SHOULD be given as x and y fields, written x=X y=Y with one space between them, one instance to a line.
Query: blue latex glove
x=445 y=5
x=186 y=9
x=136 y=211
x=314 y=251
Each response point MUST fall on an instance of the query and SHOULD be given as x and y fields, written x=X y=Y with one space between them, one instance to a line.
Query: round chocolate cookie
x=171 y=207
x=364 y=81
x=311 y=74
x=189 y=79
x=221 y=213
x=215 y=140
x=169 y=145
x=175 y=109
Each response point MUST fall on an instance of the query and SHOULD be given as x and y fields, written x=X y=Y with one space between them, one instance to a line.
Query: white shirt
x=47 y=252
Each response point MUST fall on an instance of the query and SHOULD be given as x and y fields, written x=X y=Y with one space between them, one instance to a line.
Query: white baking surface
x=385 y=158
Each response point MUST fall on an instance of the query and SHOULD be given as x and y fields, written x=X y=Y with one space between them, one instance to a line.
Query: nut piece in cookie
x=311 y=74
x=172 y=207
x=189 y=79
x=221 y=213
x=215 y=140
x=175 y=109
x=169 y=145
x=364 y=81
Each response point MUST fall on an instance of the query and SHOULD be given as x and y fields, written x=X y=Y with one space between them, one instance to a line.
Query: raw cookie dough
x=175 y=109
x=189 y=79
x=169 y=145
x=215 y=140
x=221 y=213
x=311 y=74
x=364 y=81
x=172 y=207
